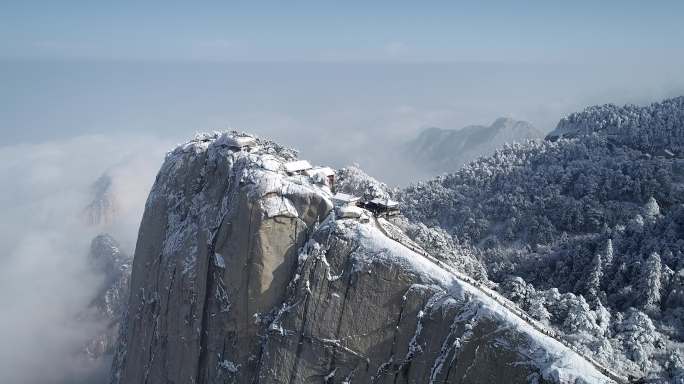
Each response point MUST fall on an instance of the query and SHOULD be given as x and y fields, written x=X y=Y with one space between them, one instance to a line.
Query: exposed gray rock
x=363 y=308
x=242 y=274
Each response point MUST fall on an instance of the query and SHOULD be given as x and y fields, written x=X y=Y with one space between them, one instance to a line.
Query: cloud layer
x=45 y=281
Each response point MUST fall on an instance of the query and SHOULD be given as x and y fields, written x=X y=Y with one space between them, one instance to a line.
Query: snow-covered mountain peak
x=244 y=270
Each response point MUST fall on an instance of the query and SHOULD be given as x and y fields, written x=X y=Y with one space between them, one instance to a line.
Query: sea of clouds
x=45 y=280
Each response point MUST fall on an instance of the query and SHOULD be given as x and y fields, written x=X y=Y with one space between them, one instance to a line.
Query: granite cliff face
x=244 y=273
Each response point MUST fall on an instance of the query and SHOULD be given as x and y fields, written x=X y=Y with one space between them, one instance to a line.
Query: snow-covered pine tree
x=651 y=284
x=593 y=282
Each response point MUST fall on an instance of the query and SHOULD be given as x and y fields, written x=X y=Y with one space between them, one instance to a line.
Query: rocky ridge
x=244 y=273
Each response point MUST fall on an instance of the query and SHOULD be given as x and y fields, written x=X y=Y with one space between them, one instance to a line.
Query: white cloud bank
x=44 y=277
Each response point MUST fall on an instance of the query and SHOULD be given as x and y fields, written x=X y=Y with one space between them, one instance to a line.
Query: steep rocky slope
x=446 y=150
x=109 y=304
x=243 y=273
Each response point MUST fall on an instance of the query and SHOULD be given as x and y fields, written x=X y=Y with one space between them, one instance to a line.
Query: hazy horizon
x=374 y=106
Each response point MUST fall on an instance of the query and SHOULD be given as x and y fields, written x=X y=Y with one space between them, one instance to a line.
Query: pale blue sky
x=549 y=31
x=374 y=73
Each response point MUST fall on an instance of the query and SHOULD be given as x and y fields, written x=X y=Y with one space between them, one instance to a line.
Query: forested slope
x=584 y=230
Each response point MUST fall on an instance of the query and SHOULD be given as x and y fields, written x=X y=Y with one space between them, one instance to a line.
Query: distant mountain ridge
x=446 y=150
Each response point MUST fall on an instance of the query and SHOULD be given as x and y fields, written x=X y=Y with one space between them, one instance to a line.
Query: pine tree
x=651 y=209
x=675 y=367
x=651 y=283
x=609 y=252
x=593 y=282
